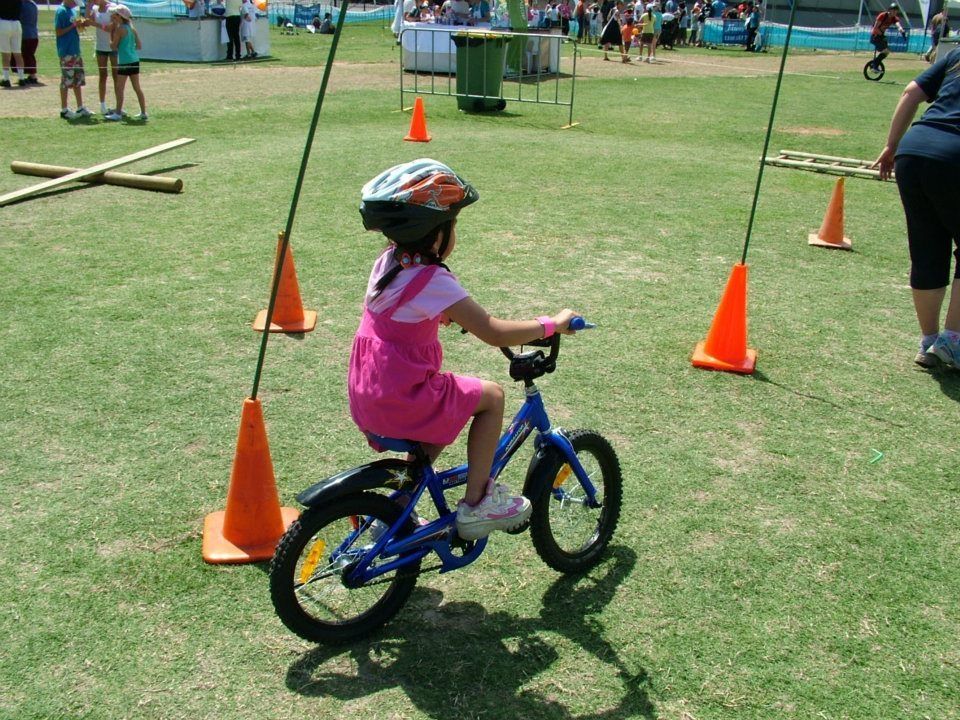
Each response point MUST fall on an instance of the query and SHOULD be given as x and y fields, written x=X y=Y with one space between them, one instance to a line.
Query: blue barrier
x=732 y=32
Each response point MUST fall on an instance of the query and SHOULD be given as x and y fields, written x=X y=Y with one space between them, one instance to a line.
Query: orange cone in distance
x=831 y=231
x=418 y=125
x=288 y=312
x=253 y=522
x=726 y=345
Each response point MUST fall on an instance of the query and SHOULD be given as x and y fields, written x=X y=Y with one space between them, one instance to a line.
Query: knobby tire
x=325 y=609
x=567 y=535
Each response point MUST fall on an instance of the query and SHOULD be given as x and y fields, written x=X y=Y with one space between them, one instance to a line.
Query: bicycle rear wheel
x=568 y=534
x=309 y=575
x=874 y=70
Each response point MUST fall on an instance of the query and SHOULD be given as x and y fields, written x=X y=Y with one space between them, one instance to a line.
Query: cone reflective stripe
x=418 y=124
x=253 y=522
x=288 y=313
x=831 y=231
x=726 y=345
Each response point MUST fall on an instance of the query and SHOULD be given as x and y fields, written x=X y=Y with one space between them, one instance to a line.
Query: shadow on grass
x=949 y=380
x=458 y=660
x=844 y=407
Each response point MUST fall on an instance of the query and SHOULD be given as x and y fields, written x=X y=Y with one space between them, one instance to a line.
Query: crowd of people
x=117 y=48
x=648 y=26
x=608 y=23
x=117 y=51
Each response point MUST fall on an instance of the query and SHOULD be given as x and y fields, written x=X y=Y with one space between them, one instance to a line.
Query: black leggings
x=929 y=190
x=233 y=36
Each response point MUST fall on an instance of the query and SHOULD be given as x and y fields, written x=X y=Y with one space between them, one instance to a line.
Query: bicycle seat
x=381 y=443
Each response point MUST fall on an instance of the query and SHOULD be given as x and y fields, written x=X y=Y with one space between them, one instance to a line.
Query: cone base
x=219 y=550
x=814 y=239
x=744 y=366
x=308 y=323
x=425 y=138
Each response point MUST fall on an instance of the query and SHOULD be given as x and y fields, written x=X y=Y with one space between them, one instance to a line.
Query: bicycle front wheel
x=568 y=533
x=310 y=583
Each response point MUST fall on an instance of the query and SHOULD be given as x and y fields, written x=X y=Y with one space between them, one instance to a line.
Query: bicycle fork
x=558 y=439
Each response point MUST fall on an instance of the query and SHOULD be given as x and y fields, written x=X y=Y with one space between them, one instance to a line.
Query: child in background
x=594 y=24
x=627 y=33
x=66 y=24
x=248 y=29
x=100 y=14
x=125 y=40
x=648 y=36
x=395 y=383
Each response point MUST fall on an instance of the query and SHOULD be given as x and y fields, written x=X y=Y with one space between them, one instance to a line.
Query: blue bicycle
x=350 y=562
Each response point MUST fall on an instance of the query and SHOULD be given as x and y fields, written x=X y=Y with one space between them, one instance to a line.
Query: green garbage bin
x=480 y=62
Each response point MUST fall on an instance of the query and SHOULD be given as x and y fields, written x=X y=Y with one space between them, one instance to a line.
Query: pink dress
x=394 y=383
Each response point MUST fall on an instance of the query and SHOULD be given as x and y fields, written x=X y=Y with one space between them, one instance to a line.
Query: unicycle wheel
x=874 y=70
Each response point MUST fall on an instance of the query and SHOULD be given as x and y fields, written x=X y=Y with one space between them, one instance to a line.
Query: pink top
x=394 y=382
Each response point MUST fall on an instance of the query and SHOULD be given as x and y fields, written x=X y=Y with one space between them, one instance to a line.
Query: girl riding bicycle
x=395 y=385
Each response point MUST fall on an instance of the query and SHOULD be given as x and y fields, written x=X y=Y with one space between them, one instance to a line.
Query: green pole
x=296 y=198
x=766 y=141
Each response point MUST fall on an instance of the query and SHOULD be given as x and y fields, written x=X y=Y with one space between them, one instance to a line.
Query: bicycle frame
x=437 y=536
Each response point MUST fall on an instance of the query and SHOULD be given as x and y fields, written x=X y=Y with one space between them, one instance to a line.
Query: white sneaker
x=113 y=116
x=143 y=116
x=82 y=111
x=68 y=114
x=497 y=511
x=947 y=348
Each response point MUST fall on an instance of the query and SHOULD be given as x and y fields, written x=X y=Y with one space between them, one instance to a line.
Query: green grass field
x=789 y=543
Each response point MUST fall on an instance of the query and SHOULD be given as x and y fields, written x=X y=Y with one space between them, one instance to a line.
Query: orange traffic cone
x=831 y=231
x=288 y=313
x=726 y=345
x=253 y=523
x=418 y=125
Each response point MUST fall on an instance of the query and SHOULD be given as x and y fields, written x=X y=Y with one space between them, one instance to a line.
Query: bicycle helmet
x=408 y=201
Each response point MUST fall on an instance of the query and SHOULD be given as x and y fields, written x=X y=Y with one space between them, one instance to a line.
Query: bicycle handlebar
x=533 y=364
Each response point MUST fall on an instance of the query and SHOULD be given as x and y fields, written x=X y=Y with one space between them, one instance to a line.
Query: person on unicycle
x=878 y=36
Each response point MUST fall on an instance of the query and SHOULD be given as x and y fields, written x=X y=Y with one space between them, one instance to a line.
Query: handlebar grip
x=578 y=323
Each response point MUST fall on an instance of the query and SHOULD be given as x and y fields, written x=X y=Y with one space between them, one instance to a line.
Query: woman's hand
x=885 y=163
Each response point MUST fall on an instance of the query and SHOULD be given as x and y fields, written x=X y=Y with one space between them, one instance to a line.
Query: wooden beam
x=159 y=183
x=824 y=168
x=91 y=171
x=850 y=167
x=796 y=154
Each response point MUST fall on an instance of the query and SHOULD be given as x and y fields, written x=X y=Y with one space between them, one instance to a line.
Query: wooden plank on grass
x=91 y=171
x=160 y=183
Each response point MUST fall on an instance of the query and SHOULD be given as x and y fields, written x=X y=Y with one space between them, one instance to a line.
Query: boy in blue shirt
x=65 y=24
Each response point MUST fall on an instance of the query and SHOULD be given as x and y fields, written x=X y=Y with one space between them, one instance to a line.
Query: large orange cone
x=288 y=312
x=418 y=125
x=726 y=345
x=831 y=231
x=253 y=523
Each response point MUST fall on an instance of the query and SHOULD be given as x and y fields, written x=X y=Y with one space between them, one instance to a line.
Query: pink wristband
x=549 y=326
